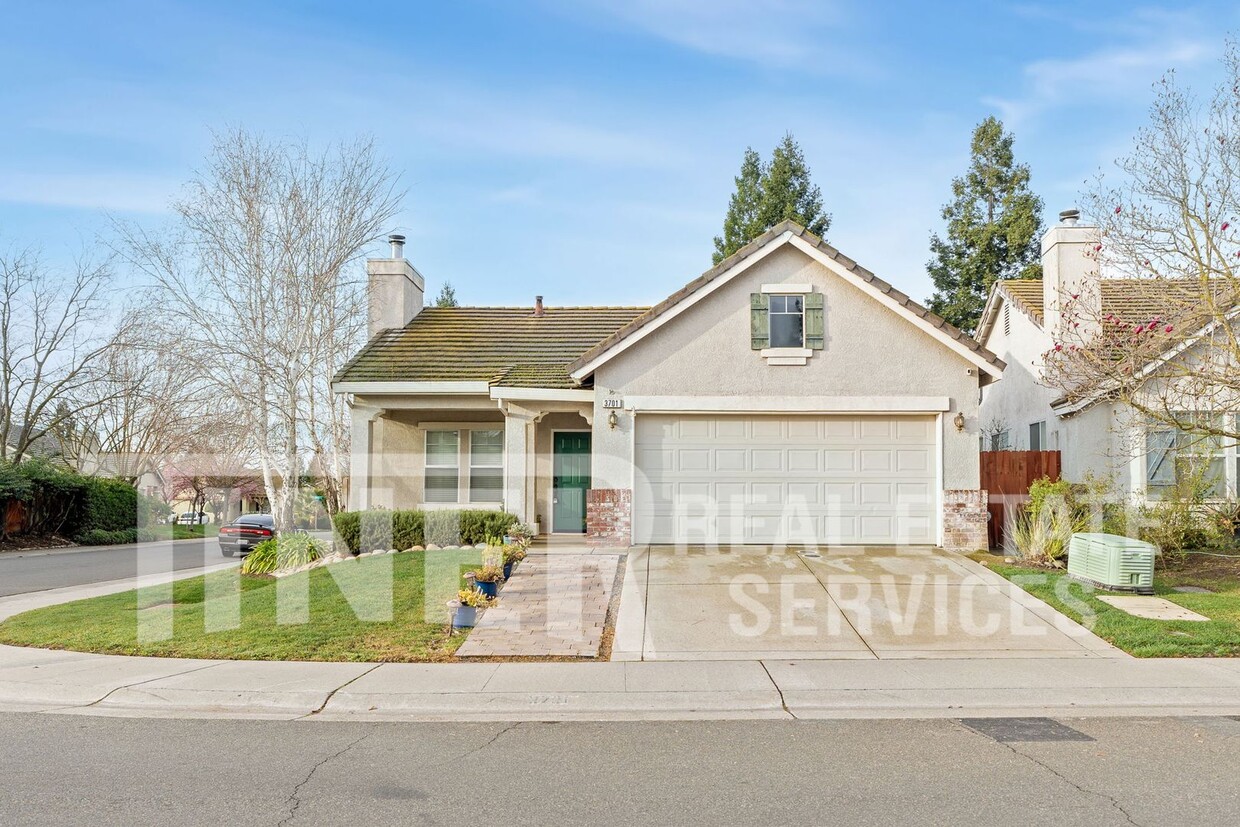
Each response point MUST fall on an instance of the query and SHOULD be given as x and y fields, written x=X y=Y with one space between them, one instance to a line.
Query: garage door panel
x=876 y=460
x=791 y=479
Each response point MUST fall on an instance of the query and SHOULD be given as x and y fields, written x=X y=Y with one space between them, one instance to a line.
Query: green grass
x=192 y=532
x=1218 y=637
x=110 y=624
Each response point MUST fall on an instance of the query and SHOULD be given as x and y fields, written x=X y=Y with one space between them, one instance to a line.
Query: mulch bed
x=28 y=542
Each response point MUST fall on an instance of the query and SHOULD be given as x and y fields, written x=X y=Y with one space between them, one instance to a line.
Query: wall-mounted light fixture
x=959 y=422
x=613 y=421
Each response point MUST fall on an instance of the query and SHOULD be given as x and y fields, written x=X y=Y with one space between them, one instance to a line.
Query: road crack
x=1112 y=800
x=294 y=800
x=778 y=689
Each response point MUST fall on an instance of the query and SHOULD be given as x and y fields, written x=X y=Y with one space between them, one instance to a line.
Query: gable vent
x=1007 y=320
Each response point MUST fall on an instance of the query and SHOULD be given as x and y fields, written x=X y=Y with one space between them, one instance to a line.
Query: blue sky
x=581 y=149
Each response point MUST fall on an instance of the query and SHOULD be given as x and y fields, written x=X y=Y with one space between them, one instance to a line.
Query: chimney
x=1068 y=270
x=394 y=289
x=538 y=307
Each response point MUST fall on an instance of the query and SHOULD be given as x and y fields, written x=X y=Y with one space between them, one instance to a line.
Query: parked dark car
x=244 y=533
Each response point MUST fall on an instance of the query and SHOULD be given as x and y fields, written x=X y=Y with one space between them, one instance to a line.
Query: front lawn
x=333 y=632
x=192 y=532
x=1219 y=637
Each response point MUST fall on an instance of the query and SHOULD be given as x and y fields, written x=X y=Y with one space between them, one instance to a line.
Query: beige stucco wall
x=399 y=445
x=869 y=351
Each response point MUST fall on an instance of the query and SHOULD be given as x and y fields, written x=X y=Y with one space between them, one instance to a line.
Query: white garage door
x=798 y=479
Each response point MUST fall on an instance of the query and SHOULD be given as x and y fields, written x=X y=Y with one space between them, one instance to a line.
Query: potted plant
x=486 y=579
x=521 y=534
x=513 y=554
x=465 y=608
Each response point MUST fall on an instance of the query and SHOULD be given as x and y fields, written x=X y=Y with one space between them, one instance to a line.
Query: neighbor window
x=443 y=466
x=787 y=321
x=1181 y=459
x=486 y=466
x=1000 y=441
x=1037 y=436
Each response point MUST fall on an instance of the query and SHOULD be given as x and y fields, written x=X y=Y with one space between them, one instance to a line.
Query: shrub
x=104 y=537
x=475 y=598
x=107 y=504
x=380 y=528
x=289 y=551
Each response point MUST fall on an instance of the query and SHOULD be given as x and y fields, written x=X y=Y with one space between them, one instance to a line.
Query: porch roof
x=503 y=346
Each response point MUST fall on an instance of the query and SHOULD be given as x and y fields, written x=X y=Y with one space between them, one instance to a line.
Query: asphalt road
x=78 y=769
x=33 y=571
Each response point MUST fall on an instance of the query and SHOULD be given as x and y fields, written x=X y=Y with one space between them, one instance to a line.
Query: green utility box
x=1112 y=562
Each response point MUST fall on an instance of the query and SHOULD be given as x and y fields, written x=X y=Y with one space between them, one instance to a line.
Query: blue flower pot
x=464 y=617
x=489 y=589
x=507 y=570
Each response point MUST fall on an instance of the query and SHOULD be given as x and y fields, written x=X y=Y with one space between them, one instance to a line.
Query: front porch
x=523 y=451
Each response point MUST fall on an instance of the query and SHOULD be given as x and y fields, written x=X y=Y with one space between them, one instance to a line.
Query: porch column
x=519 y=461
x=361 y=455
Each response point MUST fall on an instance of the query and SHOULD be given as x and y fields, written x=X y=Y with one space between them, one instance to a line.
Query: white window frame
x=1228 y=454
x=427 y=466
x=1038 y=429
x=499 y=465
x=771 y=313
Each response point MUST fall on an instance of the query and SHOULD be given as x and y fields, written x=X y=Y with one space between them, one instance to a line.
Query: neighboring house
x=785 y=395
x=1095 y=436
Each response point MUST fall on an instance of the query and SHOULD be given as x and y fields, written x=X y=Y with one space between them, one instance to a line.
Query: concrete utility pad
x=746 y=602
x=1151 y=608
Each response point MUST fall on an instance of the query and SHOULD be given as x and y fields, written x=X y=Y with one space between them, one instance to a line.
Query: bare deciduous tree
x=259 y=275
x=1169 y=227
x=54 y=343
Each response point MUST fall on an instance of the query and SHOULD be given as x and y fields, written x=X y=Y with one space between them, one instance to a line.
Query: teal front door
x=570 y=479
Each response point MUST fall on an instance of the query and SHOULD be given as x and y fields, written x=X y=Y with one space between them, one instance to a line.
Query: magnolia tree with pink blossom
x=1167 y=345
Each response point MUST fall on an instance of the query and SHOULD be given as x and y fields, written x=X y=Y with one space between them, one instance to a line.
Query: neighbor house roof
x=729 y=265
x=504 y=346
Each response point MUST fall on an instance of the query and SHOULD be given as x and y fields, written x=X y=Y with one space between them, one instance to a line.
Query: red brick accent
x=609 y=516
x=964 y=520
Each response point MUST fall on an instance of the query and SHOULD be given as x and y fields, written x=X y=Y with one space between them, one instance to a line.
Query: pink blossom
x=1225 y=226
x=1118 y=210
x=1139 y=328
x=1097 y=247
x=1058 y=348
x=1167 y=329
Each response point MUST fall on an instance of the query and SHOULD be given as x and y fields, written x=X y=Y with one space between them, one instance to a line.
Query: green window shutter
x=759 y=320
x=815 y=322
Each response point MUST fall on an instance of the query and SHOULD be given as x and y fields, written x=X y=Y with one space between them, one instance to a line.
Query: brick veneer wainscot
x=964 y=520
x=609 y=516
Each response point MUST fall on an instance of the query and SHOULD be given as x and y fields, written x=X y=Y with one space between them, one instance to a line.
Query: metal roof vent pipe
x=1070 y=217
x=538 y=307
x=398 y=245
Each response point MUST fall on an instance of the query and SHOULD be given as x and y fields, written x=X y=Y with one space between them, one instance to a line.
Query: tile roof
x=501 y=345
x=1026 y=294
x=1132 y=300
x=754 y=246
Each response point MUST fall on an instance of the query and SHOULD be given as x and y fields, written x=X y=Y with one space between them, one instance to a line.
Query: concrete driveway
x=754 y=602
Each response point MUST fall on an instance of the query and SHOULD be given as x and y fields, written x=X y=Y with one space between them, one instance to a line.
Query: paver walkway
x=555 y=605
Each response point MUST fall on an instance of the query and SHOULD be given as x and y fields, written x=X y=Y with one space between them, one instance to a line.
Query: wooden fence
x=1006 y=475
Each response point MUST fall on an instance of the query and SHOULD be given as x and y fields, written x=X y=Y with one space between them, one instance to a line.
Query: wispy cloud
x=1107 y=75
x=773 y=32
x=113 y=191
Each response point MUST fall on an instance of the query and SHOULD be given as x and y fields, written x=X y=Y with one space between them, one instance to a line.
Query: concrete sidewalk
x=77 y=683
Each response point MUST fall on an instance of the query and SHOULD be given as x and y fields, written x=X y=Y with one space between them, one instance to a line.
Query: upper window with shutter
x=786 y=323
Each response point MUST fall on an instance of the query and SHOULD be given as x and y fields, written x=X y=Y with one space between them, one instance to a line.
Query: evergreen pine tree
x=994 y=224
x=447 y=296
x=768 y=193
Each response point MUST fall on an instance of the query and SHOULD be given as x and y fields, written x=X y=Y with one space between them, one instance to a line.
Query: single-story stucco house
x=1097 y=436
x=787 y=395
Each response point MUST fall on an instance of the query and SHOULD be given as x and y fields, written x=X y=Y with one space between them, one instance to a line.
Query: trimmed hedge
x=90 y=510
x=383 y=529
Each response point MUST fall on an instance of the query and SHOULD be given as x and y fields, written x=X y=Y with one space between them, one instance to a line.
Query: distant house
x=1096 y=435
